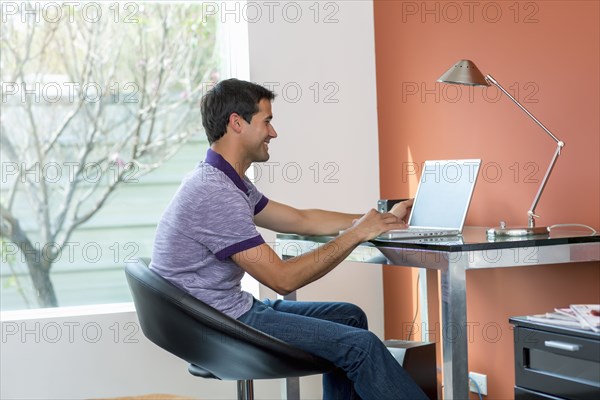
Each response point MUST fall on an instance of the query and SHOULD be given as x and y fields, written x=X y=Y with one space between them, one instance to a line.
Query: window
x=100 y=121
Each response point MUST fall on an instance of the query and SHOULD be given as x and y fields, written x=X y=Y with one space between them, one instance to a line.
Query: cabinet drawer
x=524 y=394
x=563 y=365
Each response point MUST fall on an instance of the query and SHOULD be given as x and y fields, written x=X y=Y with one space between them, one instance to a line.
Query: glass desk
x=453 y=256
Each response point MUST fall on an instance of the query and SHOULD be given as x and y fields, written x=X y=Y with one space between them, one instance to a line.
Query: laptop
x=442 y=200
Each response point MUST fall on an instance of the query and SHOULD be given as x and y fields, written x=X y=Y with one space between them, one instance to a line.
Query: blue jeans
x=337 y=332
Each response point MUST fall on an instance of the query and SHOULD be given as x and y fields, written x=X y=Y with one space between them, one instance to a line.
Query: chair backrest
x=203 y=336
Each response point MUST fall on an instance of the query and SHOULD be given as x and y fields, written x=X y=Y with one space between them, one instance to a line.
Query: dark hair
x=227 y=97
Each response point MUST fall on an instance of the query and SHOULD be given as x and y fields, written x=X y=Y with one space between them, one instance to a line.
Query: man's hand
x=373 y=224
x=402 y=209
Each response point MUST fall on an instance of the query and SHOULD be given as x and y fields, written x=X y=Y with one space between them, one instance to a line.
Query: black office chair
x=215 y=345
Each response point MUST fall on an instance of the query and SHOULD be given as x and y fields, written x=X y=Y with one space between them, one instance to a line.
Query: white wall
x=321 y=63
x=94 y=352
x=338 y=140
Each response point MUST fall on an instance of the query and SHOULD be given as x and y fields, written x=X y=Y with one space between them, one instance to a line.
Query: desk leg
x=454 y=330
x=424 y=302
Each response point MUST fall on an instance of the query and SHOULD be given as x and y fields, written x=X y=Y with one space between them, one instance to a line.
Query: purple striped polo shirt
x=210 y=218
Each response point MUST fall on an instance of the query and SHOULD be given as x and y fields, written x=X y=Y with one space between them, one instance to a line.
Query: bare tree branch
x=150 y=77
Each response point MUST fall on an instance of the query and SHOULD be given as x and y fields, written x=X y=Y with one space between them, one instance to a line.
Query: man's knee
x=356 y=316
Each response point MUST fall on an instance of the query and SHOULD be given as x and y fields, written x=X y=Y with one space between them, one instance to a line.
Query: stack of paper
x=581 y=316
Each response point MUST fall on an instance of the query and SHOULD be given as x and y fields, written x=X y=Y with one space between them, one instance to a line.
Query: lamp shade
x=464 y=72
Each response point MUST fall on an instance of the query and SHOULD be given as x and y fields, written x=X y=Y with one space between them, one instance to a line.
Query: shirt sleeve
x=224 y=222
x=262 y=203
x=258 y=199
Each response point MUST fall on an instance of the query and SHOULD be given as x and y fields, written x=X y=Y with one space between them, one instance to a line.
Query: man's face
x=259 y=132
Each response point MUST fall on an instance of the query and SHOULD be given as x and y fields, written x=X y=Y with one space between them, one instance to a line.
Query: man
x=207 y=239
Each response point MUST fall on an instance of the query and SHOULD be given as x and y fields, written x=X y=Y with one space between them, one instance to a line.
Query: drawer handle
x=562 y=345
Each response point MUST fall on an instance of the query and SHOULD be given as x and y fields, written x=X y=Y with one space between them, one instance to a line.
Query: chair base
x=245 y=390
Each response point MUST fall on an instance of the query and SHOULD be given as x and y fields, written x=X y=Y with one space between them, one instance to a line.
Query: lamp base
x=518 y=231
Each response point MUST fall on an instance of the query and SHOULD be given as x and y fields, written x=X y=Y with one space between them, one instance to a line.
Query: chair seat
x=216 y=345
x=201 y=372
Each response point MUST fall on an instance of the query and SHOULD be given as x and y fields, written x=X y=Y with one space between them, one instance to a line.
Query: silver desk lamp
x=465 y=72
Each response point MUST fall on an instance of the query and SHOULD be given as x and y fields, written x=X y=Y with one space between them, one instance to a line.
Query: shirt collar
x=216 y=160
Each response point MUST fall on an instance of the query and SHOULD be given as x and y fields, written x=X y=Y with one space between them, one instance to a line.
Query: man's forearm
x=309 y=267
x=322 y=222
x=285 y=276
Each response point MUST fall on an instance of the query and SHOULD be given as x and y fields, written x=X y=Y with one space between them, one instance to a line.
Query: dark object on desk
x=385 y=205
x=418 y=359
x=553 y=362
x=215 y=345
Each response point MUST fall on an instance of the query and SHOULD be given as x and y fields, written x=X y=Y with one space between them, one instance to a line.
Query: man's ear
x=235 y=122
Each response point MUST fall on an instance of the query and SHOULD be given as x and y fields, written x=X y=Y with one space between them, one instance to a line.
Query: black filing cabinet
x=553 y=362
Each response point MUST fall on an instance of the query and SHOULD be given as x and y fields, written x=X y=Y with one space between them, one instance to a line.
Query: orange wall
x=547 y=54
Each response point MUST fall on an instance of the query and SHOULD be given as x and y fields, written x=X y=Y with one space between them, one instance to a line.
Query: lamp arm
x=559 y=145
x=531 y=213
x=492 y=80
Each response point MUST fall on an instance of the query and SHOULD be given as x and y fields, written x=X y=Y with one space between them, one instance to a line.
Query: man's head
x=228 y=97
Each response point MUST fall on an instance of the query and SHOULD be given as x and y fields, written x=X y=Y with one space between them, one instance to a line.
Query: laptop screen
x=444 y=193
